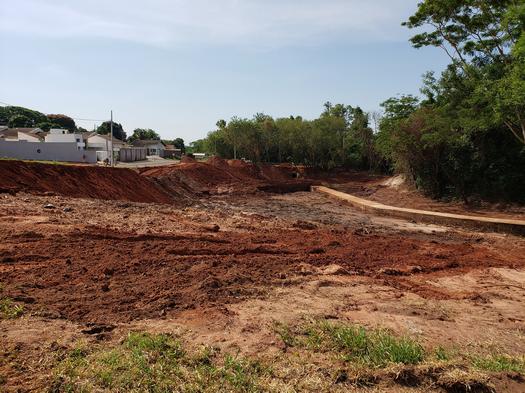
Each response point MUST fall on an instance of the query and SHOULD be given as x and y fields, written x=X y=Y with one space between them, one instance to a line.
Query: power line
x=74 y=118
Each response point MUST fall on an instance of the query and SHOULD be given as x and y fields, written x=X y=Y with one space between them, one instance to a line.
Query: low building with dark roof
x=154 y=146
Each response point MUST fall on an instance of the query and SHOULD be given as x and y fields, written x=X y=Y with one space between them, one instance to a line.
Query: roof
x=8 y=133
x=106 y=137
x=30 y=131
x=12 y=133
x=86 y=135
x=147 y=142
x=39 y=135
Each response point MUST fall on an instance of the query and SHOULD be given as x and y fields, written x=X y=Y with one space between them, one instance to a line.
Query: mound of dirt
x=79 y=181
x=218 y=162
x=188 y=159
x=218 y=176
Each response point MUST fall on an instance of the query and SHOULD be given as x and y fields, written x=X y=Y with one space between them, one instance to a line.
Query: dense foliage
x=118 y=130
x=465 y=138
x=143 y=134
x=178 y=143
x=340 y=136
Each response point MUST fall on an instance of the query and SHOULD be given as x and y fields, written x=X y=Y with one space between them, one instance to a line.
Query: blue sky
x=178 y=66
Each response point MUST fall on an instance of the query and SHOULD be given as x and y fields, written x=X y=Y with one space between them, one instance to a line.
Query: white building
x=34 y=144
x=155 y=147
x=103 y=142
x=56 y=135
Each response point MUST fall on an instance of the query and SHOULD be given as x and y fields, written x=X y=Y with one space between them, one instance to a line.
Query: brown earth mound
x=79 y=181
x=217 y=176
x=187 y=159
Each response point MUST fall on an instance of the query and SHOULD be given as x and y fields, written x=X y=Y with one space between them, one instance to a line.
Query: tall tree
x=63 y=121
x=483 y=40
x=143 y=134
x=118 y=130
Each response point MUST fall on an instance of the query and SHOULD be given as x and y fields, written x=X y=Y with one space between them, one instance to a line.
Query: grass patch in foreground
x=500 y=363
x=154 y=363
x=8 y=308
x=375 y=348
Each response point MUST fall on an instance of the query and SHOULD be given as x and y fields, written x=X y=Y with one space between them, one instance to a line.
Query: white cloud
x=267 y=23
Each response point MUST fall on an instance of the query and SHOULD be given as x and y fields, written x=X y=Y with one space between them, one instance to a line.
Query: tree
x=477 y=36
x=21 y=116
x=118 y=130
x=178 y=143
x=143 y=134
x=20 y=121
x=47 y=125
x=63 y=121
x=509 y=92
x=467 y=29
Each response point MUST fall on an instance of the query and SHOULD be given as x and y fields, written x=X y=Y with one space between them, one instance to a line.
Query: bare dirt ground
x=226 y=268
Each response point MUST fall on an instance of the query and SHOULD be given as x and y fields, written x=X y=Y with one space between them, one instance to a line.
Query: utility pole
x=111 y=139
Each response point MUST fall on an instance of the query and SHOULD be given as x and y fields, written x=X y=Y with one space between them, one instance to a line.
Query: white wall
x=63 y=136
x=57 y=151
x=96 y=142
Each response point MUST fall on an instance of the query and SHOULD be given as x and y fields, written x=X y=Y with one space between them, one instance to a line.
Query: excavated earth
x=225 y=249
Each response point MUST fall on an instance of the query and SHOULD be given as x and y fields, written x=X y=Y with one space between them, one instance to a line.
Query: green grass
x=319 y=356
x=154 y=363
x=375 y=348
x=8 y=308
x=500 y=363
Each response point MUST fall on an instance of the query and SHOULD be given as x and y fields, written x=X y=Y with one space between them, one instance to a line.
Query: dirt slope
x=79 y=181
x=218 y=176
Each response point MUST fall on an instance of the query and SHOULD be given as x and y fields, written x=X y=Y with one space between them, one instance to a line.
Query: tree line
x=463 y=137
x=20 y=117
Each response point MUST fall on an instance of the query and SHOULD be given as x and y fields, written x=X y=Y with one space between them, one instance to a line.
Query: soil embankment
x=218 y=176
x=79 y=182
x=153 y=185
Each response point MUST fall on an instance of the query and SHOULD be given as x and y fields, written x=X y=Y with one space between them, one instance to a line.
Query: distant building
x=172 y=152
x=35 y=144
x=101 y=142
x=199 y=156
x=22 y=134
x=58 y=135
x=154 y=147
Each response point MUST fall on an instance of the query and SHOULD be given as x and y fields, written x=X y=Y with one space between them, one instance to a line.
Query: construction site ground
x=225 y=263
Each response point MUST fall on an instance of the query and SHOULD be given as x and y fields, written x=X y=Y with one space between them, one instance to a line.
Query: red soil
x=101 y=276
x=220 y=176
x=79 y=181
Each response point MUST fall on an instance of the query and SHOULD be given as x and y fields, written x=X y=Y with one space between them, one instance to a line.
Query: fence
x=129 y=154
x=45 y=151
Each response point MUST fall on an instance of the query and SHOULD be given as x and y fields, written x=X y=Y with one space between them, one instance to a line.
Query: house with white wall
x=35 y=144
x=102 y=145
x=22 y=134
x=56 y=135
x=100 y=142
x=154 y=147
